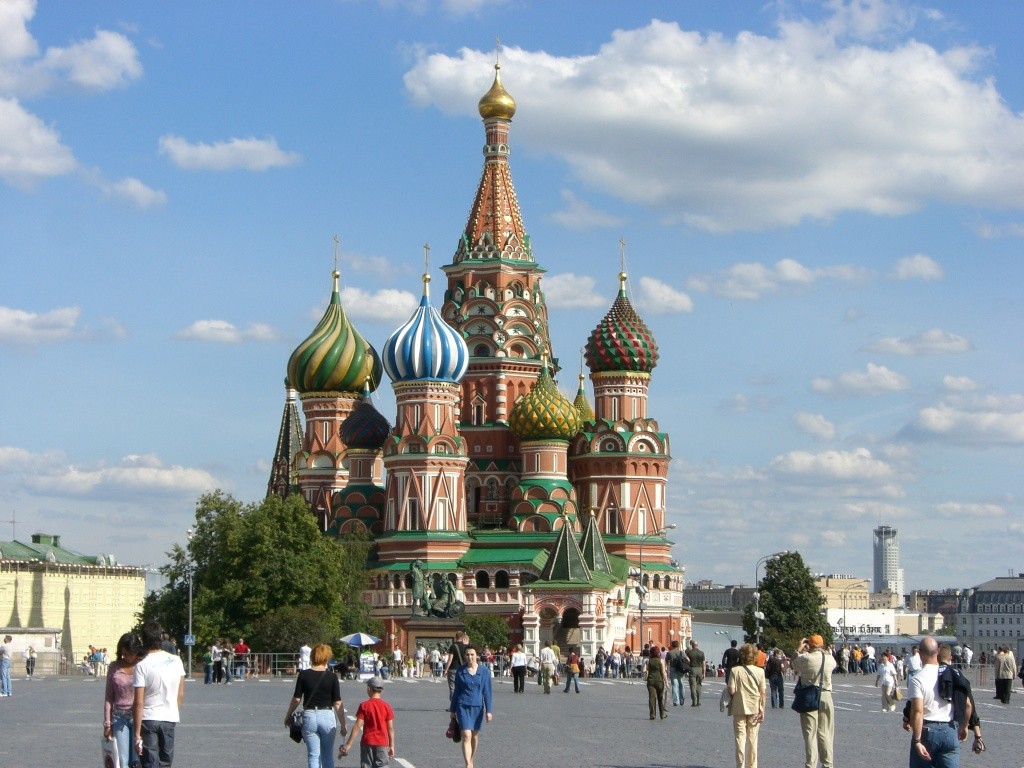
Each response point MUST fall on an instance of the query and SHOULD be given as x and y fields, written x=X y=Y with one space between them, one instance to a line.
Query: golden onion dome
x=497 y=103
x=545 y=413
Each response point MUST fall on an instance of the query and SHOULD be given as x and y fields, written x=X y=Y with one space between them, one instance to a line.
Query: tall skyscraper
x=888 y=574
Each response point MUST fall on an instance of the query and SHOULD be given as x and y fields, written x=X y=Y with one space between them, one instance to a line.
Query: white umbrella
x=359 y=639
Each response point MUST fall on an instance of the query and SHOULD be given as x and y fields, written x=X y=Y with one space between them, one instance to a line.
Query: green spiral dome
x=334 y=357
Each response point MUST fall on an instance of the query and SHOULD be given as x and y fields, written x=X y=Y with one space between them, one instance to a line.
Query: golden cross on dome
x=337 y=245
x=497 y=52
x=426 y=265
x=622 y=264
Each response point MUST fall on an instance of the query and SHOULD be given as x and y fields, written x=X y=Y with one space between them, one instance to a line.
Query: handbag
x=897 y=693
x=111 y=759
x=295 y=727
x=807 y=696
x=453 y=731
x=725 y=703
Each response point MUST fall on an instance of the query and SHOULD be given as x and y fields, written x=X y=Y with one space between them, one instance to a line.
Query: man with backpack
x=678 y=671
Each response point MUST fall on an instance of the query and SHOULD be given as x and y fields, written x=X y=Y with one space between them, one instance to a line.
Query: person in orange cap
x=818 y=728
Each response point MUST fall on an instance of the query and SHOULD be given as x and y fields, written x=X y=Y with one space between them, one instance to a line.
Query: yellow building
x=844 y=591
x=90 y=600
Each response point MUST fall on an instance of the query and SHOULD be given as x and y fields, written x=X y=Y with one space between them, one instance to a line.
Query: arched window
x=501 y=580
x=483 y=580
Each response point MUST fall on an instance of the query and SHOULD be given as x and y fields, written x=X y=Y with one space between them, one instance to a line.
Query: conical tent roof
x=595 y=555
x=565 y=562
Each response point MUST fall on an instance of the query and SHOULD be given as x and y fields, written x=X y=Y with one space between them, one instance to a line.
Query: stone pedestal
x=431 y=632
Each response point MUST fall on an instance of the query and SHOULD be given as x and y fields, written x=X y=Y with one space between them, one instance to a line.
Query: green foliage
x=487 y=629
x=251 y=562
x=791 y=603
x=285 y=629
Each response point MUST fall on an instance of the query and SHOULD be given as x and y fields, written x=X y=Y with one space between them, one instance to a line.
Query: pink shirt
x=120 y=692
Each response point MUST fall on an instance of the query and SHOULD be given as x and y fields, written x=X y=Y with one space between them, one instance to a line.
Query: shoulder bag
x=807 y=696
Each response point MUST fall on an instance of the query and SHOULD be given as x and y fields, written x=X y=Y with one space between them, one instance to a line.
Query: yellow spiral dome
x=545 y=413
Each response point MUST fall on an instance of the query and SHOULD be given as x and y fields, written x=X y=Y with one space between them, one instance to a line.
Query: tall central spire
x=495 y=226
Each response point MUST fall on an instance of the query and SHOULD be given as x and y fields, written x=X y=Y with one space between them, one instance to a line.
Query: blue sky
x=822 y=206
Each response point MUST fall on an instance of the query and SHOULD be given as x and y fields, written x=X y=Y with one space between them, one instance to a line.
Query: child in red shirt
x=377 y=721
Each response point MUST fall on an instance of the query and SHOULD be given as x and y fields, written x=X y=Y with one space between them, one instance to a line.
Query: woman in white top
x=887 y=678
x=518 y=670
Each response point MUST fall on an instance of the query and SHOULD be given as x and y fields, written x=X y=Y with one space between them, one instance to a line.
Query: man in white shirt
x=421 y=657
x=6 y=655
x=159 y=682
x=914 y=666
x=547 y=665
x=304 y=655
x=935 y=740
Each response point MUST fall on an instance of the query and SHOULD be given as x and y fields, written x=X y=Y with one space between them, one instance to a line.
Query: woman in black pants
x=518 y=670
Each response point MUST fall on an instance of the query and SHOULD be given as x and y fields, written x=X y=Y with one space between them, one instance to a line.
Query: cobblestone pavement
x=56 y=722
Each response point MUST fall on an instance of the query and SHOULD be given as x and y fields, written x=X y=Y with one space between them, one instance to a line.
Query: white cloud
x=369 y=265
x=16 y=42
x=247 y=154
x=976 y=420
x=386 y=305
x=876 y=380
x=991 y=231
x=934 y=341
x=960 y=383
x=464 y=7
x=135 y=192
x=30 y=328
x=752 y=280
x=569 y=291
x=224 y=332
x=761 y=130
x=29 y=149
x=108 y=60
x=579 y=215
x=660 y=298
x=832 y=465
x=815 y=425
x=966 y=511
x=917 y=267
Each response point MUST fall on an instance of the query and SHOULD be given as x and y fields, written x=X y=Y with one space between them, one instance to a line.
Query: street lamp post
x=188 y=572
x=845 y=591
x=641 y=589
x=758 y=616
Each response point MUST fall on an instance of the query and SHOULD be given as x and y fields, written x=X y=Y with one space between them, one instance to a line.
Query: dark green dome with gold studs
x=545 y=413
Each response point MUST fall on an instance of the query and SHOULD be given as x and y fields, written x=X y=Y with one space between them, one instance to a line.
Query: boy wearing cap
x=377 y=721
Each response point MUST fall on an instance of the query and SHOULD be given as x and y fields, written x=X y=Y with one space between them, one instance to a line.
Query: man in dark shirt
x=773 y=670
x=698 y=664
x=730 y=659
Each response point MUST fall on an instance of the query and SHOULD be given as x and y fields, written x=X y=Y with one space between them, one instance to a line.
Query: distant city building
x=944 y=601
x=82 y=599
x=888 y=574
x=706 y=595
x=843 y=591
x=992 y=614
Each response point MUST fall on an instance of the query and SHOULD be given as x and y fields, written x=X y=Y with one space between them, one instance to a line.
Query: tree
x=487 y=629
x=791 y=603
x=251 y=561
x=287 y=629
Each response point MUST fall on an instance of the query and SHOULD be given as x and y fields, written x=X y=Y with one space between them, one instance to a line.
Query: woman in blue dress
x=471 y=701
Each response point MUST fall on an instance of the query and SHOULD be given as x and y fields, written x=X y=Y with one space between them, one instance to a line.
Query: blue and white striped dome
x=426 y=347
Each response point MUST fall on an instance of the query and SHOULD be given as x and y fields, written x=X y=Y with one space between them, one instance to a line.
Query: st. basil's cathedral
x=547 y=511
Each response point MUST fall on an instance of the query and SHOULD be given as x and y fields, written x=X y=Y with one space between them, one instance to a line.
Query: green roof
x=442 y=565
x=535 y=556
x=45 y=545
x=565 y=563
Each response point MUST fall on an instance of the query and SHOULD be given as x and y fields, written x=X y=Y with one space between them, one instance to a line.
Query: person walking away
x=1006 y=669
x=775 y=673
x=818 y=727
x=241 y=659
x=323 y=713
x=886 y=677
x=455 y=659
x=730 y=658
x=657 y=682
x=208 y=666
x=376 y=720
x=547 y=666
x=305 y=657
x=159 y=682
x=678 y=670
x=472 y=703
x=518 y=669
x=6 y=654
x=30 y=661
x=119 y=697
x=698 y=668
x=934 y=736
x=749 y=696
x=572 y=670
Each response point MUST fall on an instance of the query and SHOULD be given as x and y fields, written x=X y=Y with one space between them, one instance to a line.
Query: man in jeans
x=159 y=690
x=6 y=654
